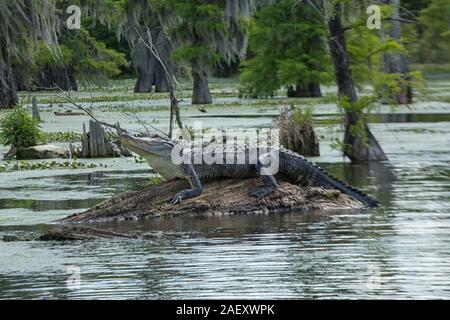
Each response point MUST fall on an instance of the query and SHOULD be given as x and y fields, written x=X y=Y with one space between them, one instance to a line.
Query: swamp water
x=401 y=250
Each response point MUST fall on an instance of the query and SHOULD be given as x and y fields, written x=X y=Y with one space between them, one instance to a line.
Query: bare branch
x=312 y=5
x=69 y=100
x=144 y=123
x=174 y=108
x=155 y=53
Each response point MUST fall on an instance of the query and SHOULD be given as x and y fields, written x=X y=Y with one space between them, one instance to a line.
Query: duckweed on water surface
x=67 y=136
x=12 y=166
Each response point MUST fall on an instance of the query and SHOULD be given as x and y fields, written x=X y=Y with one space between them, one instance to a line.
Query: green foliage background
x=287 y=48
x=434 y=41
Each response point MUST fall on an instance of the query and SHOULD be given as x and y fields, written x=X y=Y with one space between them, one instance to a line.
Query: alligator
x=158 y=152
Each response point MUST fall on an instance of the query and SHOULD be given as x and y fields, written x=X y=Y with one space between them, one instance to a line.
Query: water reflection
x=316 y=255
x=70 y=191
x=313 y=255
x=378 y=175
x=46 y=205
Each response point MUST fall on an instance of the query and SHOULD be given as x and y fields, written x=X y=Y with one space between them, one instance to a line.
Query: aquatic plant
x=67 y=136
x=12 y=166
x=18 y=129
x=139 y=159
x=303 y=115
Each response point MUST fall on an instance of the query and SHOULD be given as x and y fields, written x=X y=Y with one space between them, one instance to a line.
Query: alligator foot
x=261 y=192
x=176 y=199
x=185 y=194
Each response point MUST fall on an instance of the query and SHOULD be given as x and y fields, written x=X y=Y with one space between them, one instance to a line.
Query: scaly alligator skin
x=158 y=153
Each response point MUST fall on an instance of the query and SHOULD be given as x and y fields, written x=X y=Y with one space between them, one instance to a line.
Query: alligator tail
x=349 y=190
x=310 y=173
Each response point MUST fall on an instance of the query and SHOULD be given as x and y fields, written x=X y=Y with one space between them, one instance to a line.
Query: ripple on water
x=400 y=250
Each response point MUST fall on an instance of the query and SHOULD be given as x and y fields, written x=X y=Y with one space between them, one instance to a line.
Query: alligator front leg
x=270 y=183
x=196 y=185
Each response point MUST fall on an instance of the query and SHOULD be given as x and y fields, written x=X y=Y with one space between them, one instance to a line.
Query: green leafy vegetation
x=139 y=159
x=19 y=129
x=47 y=165
x=80 y=56
x=67 y=136
x=434 y=42
x=378 y=62
x=195 y=19
x=91 y=58
x=303 y=115
x=286 y=48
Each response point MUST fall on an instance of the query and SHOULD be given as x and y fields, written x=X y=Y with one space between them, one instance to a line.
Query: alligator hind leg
x=270 y=184
x=196 y=185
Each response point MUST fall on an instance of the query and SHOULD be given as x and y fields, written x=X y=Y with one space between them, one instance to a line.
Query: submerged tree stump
x=35 y=109
x=221 y=197
x=97 y=144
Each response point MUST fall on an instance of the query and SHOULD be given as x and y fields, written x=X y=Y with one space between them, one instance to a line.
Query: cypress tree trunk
x=151 y=72
x=312 y=90
x=224 y=69
x=161 y=84
x=8 y=88
x=397 y=63
x=22 y=77
x=56 y=77
x=144 y=63
x=48 y=78
x=153 y=75
x=360 y=150
x=201 y=93
x=165 y=53
x=144 y=82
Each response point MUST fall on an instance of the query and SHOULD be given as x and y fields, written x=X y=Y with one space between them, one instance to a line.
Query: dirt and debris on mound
x=220 y=197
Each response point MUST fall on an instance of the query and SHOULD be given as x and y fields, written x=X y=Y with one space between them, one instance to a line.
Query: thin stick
x=68 y=99
x=144 y=123
x=118 y=129
x=174 y=108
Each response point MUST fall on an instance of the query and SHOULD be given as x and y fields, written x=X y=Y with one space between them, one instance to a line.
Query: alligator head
x=148 y=146
x=156 y=151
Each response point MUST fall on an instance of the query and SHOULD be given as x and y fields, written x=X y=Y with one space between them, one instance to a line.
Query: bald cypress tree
x=359 y=142
x=139 y=25
x=397 y=63
x=202 y=33
x=287 y=48
x=21 y=22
